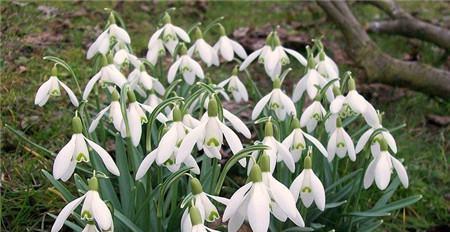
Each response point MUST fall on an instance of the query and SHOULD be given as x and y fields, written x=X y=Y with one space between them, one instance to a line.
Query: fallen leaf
x=438 y=120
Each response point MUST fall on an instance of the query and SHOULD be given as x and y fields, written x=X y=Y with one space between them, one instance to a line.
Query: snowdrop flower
x=185 y=65
x=282 y=202
x=76 y=151
x=235 y=87
x=311 y=82
x=374 y=145
x=141 y=81
x=357 y=104
x=202 y=202
x=309 y=187
x=165 y=153
x=115 y=113
x=273 y=56
x=227 y=47
x=381 y=167
x=136 y=117
x=326 y=66
x=253 y=201
x=278 y=101
x=312 y=115
x=203 y=49
x=51 y=88
x=187 y=119
x=123 y=55
x=193 y=221
x=94 y=210
x=277 y=151
x=107 y=74
x=340 y=143
x=168 y=35
x=209 y=136
x=102 y=43
x=295 y=141
x=155 y=51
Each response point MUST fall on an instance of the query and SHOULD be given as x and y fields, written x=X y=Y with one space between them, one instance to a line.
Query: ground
x=31 y=30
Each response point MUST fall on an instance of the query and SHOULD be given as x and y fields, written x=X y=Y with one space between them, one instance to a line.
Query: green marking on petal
x=213 y=142
x=306 y=189
x=299 y=146
x=169 y=162
x=86 y=215
x=213 y=216
x=55 y=92
x=144 y=119
x=81 y=157
x=341 y=145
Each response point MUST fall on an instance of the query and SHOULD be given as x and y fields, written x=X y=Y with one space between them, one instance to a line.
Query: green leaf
x=294 y=229
x=233 y=160
x=165 y=187
x=125 y=182
x=344 y=179
x=398 y=204
x=63 y=190
x=22 y=137
x=126 y=221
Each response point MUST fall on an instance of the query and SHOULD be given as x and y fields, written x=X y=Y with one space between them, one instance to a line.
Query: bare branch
x=381 y=67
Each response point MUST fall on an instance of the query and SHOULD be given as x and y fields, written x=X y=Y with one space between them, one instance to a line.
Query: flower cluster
x=179 y=120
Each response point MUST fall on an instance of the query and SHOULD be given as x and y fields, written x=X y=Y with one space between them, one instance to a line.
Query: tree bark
x=406 y=25
x=380 y=67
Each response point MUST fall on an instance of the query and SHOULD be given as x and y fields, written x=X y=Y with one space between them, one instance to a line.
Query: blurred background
x=31 y=30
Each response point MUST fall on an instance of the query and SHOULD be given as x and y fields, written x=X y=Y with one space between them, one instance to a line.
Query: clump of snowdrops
x=181 y=160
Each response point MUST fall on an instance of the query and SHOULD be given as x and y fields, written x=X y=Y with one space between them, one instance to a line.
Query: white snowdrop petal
x=173 y=71
x=250 y=59
x=363 y=140
x=260 y=106
x=63 y=159
x=106 y=158
x=318 y=191
x=235 y=201
x=336 y=104
x=135 y=127
x=390 y=141
x=297 y=56
x=97 y=118
x=283 y=197
x=65 y=213
x=316 y=143
x=190 y=162
x=69 y=92
x=145 y=164
x=90 y=85
x=188 y=143
x=233 y=140
x=237 y=123
x=369 y=175
x=286 y=156
x=383 y=171
x=167 y=145
x=238 y=49
x=349 y=145
x=226 y=49
x=401 y=171
x=297 y=185
x=119 y=33
x=101 y=213
x=258 y=212
x=182 y=34
x=42 y=94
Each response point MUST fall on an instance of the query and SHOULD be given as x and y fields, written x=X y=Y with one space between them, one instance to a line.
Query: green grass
x=26 y=196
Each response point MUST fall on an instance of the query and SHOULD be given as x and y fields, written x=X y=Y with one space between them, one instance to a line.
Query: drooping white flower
x=277 y=151
x=107 y=74
x=115 y=113
x=123 y=55
x=340 y=143
x=295 y=141
x=76 y=151
x=185 y=65
x=94 y=210
x=253 y=201
x=375 y=147
x=51 y=88
x=308 y=186
x=141 y=82
x=381 y=168
x=312 y=115
x=273 y=56
x=227 y=47
x=278 y=101
x=167 y=150
x=136 y=117
x=327 y=67
x=102 y=43
x=192 y=221
x=155 y=50
x=203 y=49
x=169 y=35
x=356 y=103
x=309 y=83
x=235 y=87
x=209 y=136
x=282 y=201
x=90 y=228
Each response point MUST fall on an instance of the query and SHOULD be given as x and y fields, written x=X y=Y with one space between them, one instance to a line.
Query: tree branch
x=381 y=67
x=406 y=25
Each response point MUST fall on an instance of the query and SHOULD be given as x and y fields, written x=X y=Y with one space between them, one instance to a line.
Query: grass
x=31 y=30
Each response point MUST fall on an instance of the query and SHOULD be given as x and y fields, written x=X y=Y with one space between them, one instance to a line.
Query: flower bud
x=177 y=114
x=351 y=84
x=182 y=50
x=131 y=96
x=212 y=107
x=115 y=96
x=307 y=163
x=295 y=123
x=198 y=33
x=93 y=183
x=276 y=83
x=265 y=162
x=222 y=30
x=166 y=18
x=269 y=39
x=235 y=70
x=196 y=186
x=195 y=216
x=255 y=174
x=77 y=126
x=111 y=19
x=276 y=40
x=268 y=129
x=54 y=71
